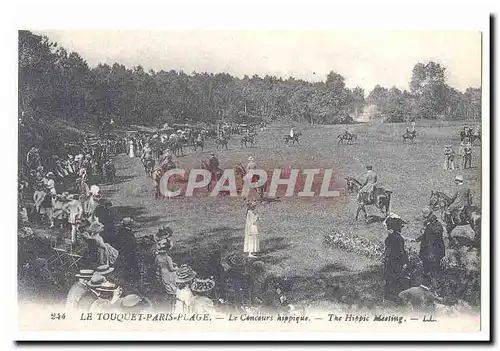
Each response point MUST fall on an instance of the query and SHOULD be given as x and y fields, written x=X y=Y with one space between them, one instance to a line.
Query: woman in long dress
x=131 y=149
x=252 y=236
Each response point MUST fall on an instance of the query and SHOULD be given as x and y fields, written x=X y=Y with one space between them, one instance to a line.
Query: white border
x=257 y=14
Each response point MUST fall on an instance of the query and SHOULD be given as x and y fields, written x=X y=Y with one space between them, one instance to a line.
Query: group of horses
x=469 y=135
x=347 y=137
x=438 y=202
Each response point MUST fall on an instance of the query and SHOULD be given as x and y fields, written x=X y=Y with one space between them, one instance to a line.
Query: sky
x=363 y=58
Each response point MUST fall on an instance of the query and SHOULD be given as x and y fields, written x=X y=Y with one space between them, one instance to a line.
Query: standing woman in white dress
x=131 y=149
x=252 y=236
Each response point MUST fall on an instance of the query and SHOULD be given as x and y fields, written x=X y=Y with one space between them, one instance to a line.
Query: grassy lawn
x=293 y=230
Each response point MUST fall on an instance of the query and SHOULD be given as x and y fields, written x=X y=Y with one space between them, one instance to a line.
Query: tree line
x=56 y=83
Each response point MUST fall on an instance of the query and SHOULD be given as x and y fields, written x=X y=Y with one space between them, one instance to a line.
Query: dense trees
x=429 y=97
x=55 y=83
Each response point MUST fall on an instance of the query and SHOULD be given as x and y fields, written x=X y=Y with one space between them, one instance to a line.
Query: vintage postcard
x=199 y=184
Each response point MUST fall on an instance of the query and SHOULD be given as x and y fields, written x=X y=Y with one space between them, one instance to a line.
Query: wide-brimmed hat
x=184 y=274
x=459 y=178
x=232 y=260
x=96 y=281
x=369 y=167
x=107 y=286
x=95 y=227
x=104 y=269
x=250 y=158
x=50 y=175
x=202 y=285
x=133 y=302
x=85 y=273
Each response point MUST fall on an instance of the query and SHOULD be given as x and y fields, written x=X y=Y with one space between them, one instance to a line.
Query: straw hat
x=459 y=178
x=231 y=261
x=96 y=281
x=184 y=274
x=85 y=273
x=107 y=286
x=130 y=301
x=104 y=269
x=202 y=285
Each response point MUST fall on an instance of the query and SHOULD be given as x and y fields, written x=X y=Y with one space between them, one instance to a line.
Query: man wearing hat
x=461 y=201
x=395 y=258
x=365 y=193
x=213 y=163
x=432 y=248
x=79 y=289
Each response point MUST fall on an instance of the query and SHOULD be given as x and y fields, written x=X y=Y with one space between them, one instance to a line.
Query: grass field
x=293 y=230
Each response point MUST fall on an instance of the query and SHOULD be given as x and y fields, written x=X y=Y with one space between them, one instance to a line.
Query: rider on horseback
x=213 y=164
x=365 y=193
x=461 y=201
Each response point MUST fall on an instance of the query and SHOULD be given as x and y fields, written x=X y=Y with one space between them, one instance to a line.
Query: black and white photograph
x=220 y=180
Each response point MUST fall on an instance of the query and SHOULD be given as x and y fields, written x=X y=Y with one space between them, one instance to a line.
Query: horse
x=158 y=173
x=410 y=136
x=380 y=198
x=241 y=173
x=149 y=165
x=294 y=139
x=198 y=144
x=439 y=201
x=350 y=138
x=247 y=139
x=353 y=185
x=175 y=144
x=214 y=174
x=221 y=141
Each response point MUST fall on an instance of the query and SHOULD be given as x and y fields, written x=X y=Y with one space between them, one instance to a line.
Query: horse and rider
x=248 y=138
x=369 y=193
x=457 y=209
x=292 y=136
x=198 y=142
x=212 y=165
x=409 y=134
x=347 y=136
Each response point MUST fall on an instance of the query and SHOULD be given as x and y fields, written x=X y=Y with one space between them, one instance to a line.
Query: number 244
x=58 y=316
